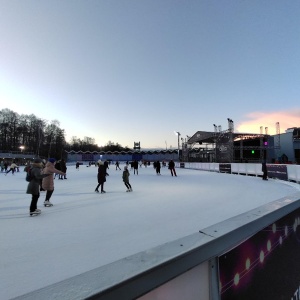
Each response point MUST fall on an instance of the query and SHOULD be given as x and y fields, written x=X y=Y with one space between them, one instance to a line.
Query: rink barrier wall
x=248 y=169
x=186 y=268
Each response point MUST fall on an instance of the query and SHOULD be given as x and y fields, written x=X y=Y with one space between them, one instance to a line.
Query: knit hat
x=37 y=160
x=52 y=160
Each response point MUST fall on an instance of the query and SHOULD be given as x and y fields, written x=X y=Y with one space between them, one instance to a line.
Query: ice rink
x=85 y=230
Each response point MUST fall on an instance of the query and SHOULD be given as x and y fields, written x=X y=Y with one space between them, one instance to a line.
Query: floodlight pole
x=178 y=135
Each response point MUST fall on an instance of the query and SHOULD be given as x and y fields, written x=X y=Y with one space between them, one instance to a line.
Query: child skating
x=125 y=177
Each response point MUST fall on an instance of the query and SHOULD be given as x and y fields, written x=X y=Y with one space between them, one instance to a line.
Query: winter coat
x=125 y=176
x=171 y=165
x=63 y=166
x=48 y=182
x=33 y=187
x=101 y=174
x=13 y=166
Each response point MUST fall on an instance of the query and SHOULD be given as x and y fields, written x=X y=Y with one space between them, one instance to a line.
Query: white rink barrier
x=250 y=169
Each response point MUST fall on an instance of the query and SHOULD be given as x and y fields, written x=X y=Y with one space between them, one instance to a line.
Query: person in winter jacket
x=63 y=168
x=264 y=170
x=157 y=167
x=136 y=167
x=125 y=178
x=48 y=182
x=33 y=187
x=101 y=176
x=12 y=168
x=172 y=167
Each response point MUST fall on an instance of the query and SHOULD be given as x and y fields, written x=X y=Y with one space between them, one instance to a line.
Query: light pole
x=178 y=135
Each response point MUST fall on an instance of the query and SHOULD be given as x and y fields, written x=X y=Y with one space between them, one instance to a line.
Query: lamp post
x=178 y=135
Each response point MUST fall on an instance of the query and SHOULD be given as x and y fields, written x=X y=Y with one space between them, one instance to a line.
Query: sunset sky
x=138 y=70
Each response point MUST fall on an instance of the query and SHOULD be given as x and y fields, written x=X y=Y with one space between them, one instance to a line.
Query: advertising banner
x=266 y=266
x=277 y=171
x=225 y=168
x=224 y=148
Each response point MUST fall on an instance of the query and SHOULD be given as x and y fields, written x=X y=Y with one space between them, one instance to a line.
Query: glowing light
x=274 y=228
x=236 y=279
x=261 y=256
x=280 y=240
x=286 y=231
x=248 y=263
x=269 y=245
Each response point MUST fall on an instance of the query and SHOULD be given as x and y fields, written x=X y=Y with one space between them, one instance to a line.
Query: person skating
x=12 y=168
x=63 y=168
x=172 y=167
x=48 y=182
x=125 y=178
x=264 y=170
x=117 y=165
x=33 y=187
x=136 y=167
x=157 y=167
x=101 y=176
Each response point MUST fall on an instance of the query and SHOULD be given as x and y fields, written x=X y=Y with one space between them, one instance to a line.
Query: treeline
x=42 y=137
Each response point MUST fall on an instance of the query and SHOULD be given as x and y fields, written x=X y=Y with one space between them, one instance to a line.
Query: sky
x=138 y=70
x=85 y=230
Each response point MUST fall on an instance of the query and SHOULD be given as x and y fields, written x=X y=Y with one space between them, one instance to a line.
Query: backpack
x=29 y=176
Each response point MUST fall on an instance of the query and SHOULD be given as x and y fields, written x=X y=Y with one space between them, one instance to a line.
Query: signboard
x=224 y=148
x=266 y=266
x=277 y=171
x=225 y=168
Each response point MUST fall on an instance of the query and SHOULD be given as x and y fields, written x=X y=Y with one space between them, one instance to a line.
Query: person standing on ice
x=264 y=170
x=172 y=167
x=33 y=187
x=136 y=167
x=48 y=182
x=125 y=178
x=101 y=176
x=117 y=165
x=157 y=167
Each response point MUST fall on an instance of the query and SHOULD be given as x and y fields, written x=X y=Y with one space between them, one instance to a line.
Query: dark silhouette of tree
x=43 y=138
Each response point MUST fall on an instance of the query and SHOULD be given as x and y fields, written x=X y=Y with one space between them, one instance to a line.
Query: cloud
x=254 y=120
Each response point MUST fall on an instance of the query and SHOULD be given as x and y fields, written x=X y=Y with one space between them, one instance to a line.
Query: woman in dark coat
x=33 y=187
x=101 y=176
x=63 y=168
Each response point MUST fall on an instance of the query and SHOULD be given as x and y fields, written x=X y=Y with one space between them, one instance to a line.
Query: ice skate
x=35 y=213
x=47 y=203
x=102 y=192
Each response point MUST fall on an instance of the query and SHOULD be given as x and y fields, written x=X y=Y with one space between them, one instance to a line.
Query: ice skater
x=157 y=167
x=12 y=168
x=172 y=167
x=101 y=177
x=125 y=177
x=33 y=187
x=48 y=182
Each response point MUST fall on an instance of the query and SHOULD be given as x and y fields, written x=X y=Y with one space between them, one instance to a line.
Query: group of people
x=102 y=173
x=42 y=179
